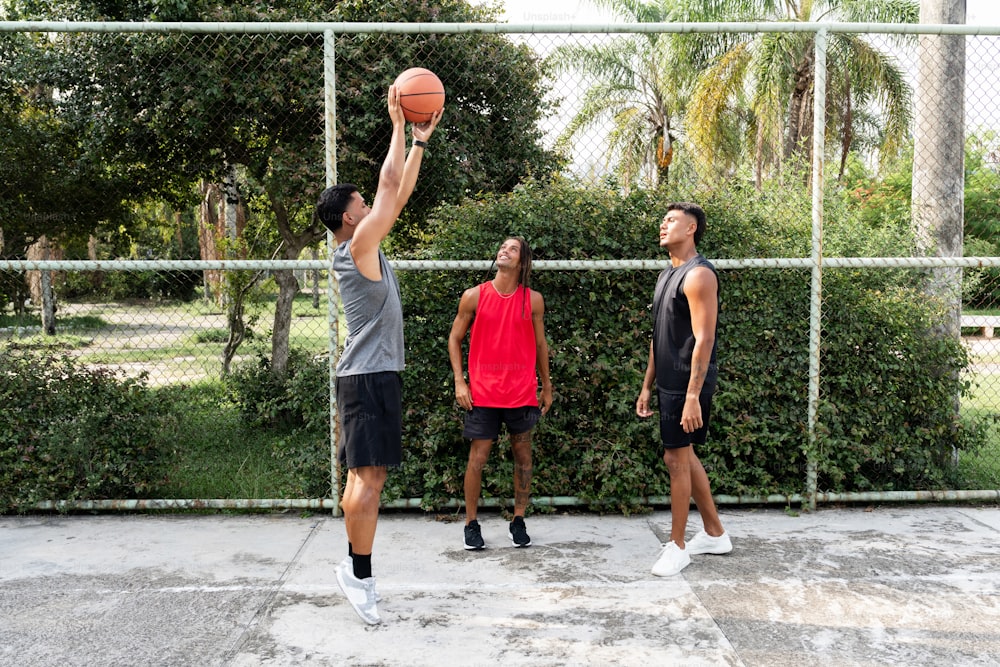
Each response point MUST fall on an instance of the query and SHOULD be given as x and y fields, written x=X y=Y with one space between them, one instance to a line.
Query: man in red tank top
x=506 y=348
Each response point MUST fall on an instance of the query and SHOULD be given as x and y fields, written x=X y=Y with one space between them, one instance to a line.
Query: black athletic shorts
x=672 y=434
x=484 y=423
x=371 y=419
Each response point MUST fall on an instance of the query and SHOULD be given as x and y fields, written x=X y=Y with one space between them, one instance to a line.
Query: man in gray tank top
x=368 y=386
x=682 y=366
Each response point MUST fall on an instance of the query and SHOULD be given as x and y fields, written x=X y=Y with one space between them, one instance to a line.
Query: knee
x=675 y=460
x=522 y=452
x=478 y=456
x=364 y=486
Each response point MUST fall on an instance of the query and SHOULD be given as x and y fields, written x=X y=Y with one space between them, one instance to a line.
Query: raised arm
x=421 y=132
x=378 y=223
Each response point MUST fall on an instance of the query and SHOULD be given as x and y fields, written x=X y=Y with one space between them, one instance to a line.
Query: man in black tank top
x=682 y=365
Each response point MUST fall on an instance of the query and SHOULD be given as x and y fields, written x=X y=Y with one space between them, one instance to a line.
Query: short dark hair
x=332 y=203
x=695 y=211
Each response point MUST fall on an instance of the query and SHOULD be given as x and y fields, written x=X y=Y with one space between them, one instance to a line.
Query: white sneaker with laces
x=348 y=562
x=703 y=543
x=672 y=560
x=359 y=592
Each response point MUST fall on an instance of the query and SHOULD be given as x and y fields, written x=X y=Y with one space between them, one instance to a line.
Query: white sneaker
x=360 y=592
x=703 y=543
x=348 y=562
x=672 y=560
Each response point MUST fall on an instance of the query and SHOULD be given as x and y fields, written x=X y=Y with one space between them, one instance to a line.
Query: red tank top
x=502 y=350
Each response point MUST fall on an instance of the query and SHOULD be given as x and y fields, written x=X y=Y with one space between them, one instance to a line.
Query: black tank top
x=673 y=338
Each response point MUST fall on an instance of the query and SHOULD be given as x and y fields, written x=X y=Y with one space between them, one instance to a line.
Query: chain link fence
x=201 y=150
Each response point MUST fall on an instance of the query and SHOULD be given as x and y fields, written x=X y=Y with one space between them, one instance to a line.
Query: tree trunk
x=939 y=164
x=48 y=305
x=288 y=286
x=208 y=223
x=47 y=297
x=799 y=138
x=231 y=192
x=237 y=330
x=847 y=133
x=939 y=154
x=315 y=280
x=40 y=283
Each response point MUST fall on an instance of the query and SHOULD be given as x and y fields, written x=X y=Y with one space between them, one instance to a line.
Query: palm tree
x=638 y=90
x=761 y=85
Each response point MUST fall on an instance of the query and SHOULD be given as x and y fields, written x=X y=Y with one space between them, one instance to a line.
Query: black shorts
x=672 y=434
x=484 y=423
x=370 y=407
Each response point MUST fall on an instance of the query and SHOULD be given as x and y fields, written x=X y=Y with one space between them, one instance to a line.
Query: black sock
x=362 y=566
x=350 y=550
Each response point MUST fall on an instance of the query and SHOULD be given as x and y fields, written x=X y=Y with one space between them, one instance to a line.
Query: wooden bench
x=984 y=324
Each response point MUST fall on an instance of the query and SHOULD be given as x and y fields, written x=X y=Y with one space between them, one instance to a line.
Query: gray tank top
x=374 y=314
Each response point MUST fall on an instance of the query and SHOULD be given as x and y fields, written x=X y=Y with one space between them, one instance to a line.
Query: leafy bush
x=296 y=404
x=75 y=433
x=889 y=384
x=981 y=285
x=300 y=399
x=888 y=413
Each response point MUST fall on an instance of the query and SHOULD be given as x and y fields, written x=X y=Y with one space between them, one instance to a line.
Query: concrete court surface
x=886 y=585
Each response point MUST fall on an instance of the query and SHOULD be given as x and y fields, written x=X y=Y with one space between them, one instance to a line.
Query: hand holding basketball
x=421 y=94
x=395 y=111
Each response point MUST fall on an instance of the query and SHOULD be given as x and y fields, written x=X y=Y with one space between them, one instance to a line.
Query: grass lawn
x=980 y=468
x=217 y=456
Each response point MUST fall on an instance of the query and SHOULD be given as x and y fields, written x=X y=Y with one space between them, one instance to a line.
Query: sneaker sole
x=671 y=573
x=711 y=553
x=519 y=546
x=468 y=548
x=343 y=589
x=696 y=551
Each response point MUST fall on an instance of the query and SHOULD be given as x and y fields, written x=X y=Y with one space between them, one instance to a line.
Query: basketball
x=421 y=94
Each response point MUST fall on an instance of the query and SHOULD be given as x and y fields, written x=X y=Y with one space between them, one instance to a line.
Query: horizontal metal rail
x=542 y=501
x=541 y=264
x=313 y=27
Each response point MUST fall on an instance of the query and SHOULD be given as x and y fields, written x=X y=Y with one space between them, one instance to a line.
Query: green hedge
x=888 y=389
x=887 y=415
x=75 y=433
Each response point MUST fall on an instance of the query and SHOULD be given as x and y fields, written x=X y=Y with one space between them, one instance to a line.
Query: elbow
x=390 y=179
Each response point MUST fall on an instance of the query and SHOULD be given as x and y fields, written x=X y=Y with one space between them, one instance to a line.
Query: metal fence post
x=816 y=289
x=332 y=289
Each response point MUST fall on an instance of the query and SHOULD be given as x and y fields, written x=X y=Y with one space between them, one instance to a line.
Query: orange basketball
x=421 y=94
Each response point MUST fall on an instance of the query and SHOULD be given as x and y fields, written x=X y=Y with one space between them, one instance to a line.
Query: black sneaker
x=518 y=533
x=473 y=537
